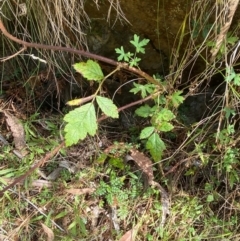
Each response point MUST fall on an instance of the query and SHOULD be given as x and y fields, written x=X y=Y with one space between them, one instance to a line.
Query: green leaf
x=107 y=106
x=117 y=162
x=177 y=99
x=230 y=74
x=144 y=111
x=102 y=158
x=210 y=198
x=156 y=146
x=232 y=40
x=143 y=89
x=146 y=132
x=165 y=126
x=90 y=70
x=122 y=55
x=139 y=45
x=80 y=122
x=165 y=115
x=229 y=112
x=237 y=80
x=134 y=62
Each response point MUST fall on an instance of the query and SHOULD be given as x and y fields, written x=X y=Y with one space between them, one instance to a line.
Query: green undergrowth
x=194 y=152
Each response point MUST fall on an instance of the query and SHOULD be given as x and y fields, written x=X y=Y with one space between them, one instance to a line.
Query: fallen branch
x=79 y=52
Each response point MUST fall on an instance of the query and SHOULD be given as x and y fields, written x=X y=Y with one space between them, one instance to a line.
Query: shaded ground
x=88 y=193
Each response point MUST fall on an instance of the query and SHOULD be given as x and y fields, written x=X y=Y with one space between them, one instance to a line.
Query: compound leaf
x=90 y=70
x=107 y=106
x=80 y=122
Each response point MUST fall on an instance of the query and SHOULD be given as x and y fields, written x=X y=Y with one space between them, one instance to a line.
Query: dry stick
x=79 y=52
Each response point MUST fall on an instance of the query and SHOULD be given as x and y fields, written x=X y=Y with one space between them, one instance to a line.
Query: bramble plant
x=82 y=120
x=131 y=58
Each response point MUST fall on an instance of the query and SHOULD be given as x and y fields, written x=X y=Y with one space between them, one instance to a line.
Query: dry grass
x=59 y=22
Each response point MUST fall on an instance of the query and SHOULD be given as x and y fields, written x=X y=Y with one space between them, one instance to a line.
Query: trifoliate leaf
x=144 y=111
x=146 y=132
x=107 y=106
x=156 y=146
x=80 y=122
x=177 y=99
x=90 y=70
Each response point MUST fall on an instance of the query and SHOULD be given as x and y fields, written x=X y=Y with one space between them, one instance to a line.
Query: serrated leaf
x=143 y=89
x=237 y=80
x=165 y=126
x=134 y=61
x=107 y=106
x=156 y=146
x=165 y=115
x=90 y=70
x=139 y=45
x=122 y=55
x=146 y=132
x=80 y=122
x=230 y=74
x=177 y=99
x=144 y=111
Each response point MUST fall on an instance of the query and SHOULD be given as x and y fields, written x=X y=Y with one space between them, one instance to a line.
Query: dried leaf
x=17 y=131
x=76 y=191
x=95 y=216
x=144 y=163
x=48 y=231
x=231 y=7
x=129 y=235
